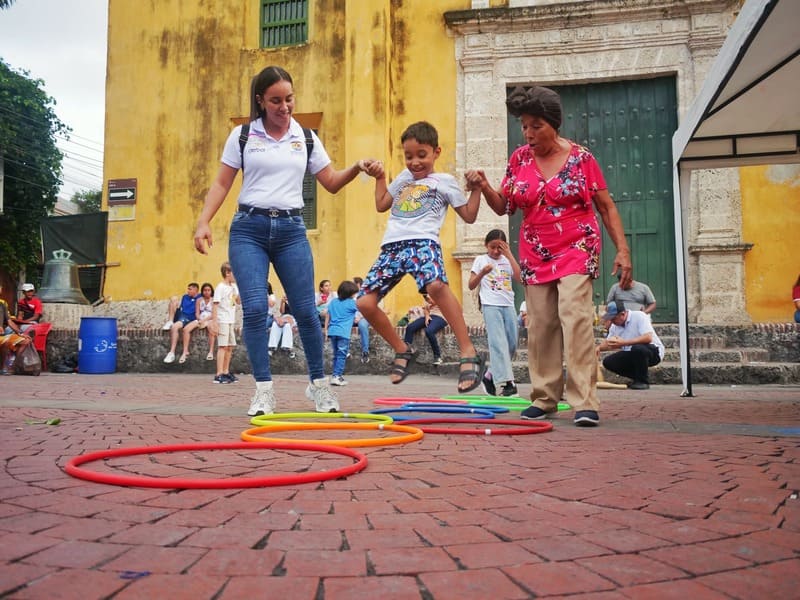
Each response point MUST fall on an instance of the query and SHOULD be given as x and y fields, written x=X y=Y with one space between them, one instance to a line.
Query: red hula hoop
x=73 y=469
x=523 y=427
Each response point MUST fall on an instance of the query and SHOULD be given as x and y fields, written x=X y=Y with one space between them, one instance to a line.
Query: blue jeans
x=501 y=335
x=363 y=333
x=436 y=324
x=340 y=346
x=256 y=241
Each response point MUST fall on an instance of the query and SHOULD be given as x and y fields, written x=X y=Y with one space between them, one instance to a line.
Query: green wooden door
x=628 y=126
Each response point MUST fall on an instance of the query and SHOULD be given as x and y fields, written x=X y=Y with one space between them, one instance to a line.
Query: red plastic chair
x=40 y=341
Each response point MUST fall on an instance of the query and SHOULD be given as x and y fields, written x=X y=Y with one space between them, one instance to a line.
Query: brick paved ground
x=669 y=498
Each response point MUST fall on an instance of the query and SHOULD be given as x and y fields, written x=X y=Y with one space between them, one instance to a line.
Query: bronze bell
x=60 y=281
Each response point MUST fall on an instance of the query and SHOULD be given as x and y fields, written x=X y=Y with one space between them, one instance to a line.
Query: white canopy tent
x=747 y=113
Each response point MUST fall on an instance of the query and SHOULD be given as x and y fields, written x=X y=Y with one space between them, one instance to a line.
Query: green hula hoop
x=507 y=401
x=277 y=419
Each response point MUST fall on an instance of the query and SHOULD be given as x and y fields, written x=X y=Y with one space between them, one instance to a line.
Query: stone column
x=715 y=224
x=481 y=132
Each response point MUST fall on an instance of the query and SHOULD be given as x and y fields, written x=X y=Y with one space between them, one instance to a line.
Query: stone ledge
x=141 y=350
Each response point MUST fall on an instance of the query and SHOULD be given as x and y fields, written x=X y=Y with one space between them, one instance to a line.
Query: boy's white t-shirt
x=273 y=174
x=419 y=206
x=496 y=287
x=225 y=296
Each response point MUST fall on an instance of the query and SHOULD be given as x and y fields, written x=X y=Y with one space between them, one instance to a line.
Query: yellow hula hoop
x=275 y=419
x=412 y=434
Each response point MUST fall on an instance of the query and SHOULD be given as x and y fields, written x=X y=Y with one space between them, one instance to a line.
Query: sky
x=63 y=43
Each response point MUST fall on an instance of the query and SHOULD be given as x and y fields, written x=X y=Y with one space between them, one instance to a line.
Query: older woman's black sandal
x=475 y=374
x=402 y=371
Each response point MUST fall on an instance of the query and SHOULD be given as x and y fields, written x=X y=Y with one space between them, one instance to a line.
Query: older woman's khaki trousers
x=561 y=328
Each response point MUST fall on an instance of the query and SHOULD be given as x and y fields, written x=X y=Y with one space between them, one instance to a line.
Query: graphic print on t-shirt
x=414 y=199
x=499 y=280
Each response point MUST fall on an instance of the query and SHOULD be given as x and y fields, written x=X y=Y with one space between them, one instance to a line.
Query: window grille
x=284 y=23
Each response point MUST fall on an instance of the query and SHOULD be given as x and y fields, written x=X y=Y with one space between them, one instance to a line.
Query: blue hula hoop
x=468 y=412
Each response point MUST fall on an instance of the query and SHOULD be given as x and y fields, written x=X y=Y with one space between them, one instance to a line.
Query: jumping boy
x=418 y=198
x=226 y=297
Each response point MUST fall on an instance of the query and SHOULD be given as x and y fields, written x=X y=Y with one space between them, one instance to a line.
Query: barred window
x=283 y=22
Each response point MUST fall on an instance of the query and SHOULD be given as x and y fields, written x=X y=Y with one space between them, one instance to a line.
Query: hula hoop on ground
x=401 y=401
x=412 y=434
x=480 y=413
x=522 y=427
x=512 y=402
x=426 y=405
x=73 y=466
x=262 y=420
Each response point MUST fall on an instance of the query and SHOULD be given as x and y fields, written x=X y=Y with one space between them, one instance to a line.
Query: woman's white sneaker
x=324 y=399
x=263 y=401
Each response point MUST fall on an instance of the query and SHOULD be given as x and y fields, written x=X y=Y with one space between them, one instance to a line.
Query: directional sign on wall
x=121 y=191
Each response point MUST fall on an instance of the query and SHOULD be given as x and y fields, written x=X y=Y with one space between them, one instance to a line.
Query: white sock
x=321 y=382
x=263 y=385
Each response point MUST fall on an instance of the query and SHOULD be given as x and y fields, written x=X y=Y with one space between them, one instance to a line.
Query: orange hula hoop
x=412 y=434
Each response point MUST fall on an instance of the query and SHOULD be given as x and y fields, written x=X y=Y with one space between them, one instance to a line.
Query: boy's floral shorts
x=422 y=259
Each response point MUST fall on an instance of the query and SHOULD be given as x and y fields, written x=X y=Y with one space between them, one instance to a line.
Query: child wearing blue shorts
x=418 y=199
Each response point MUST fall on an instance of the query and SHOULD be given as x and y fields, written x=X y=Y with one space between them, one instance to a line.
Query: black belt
x=271 y=212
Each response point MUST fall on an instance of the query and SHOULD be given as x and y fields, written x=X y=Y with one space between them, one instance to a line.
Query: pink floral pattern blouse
x=559 y=235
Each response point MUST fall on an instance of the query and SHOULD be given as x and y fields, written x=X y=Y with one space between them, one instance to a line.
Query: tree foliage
x=89 y=201
x=6 y=3
x=32 y=165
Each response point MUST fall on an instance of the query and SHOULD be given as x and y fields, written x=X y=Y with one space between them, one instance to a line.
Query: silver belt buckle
x=274 y=213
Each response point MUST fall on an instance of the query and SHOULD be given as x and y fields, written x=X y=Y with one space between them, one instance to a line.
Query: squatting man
x=634 y=342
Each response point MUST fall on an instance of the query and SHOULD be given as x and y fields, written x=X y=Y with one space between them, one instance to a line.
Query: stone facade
x=557 y=43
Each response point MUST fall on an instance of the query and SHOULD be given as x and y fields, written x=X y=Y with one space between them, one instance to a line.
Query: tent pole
x=681 y=180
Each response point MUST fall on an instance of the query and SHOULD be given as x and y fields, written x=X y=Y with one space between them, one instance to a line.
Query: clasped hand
x=372 y=167
x=475 y=179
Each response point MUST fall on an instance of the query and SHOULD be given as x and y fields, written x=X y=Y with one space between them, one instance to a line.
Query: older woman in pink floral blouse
x=557 y=184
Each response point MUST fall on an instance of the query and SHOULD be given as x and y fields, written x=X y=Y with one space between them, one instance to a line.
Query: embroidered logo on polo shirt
x=255 y=144
x=297 y=146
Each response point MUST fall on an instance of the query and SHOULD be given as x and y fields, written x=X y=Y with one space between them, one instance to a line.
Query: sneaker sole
x=542 y=418
x=586 y=422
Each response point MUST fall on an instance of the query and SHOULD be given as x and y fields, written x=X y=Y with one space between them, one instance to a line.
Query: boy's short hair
x=346 y=289
x=194 y=284
x=423 y=132
x=225 y=268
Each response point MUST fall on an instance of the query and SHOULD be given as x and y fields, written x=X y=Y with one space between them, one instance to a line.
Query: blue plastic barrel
x=97 y=345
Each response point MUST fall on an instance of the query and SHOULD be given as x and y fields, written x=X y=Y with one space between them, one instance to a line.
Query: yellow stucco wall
x=178 y=73
x=770 y=221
